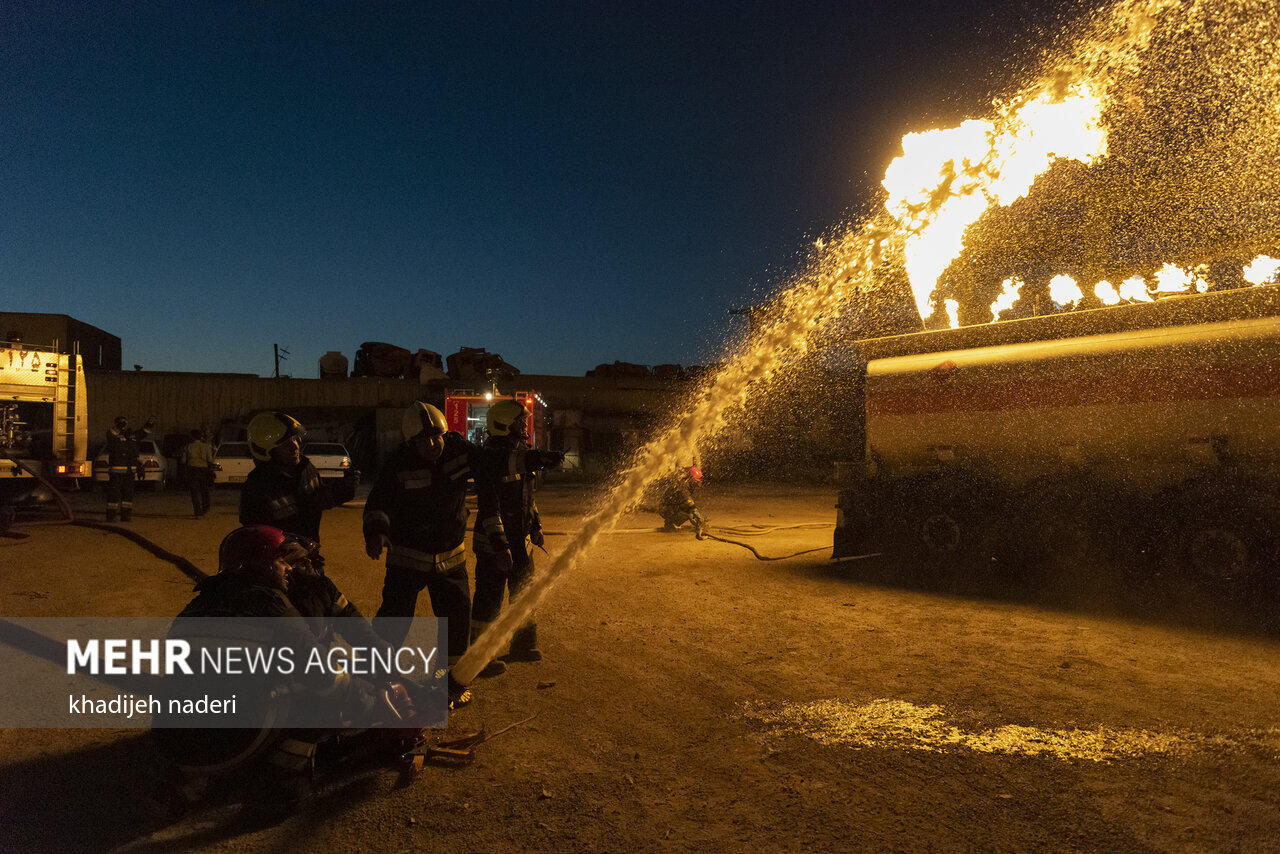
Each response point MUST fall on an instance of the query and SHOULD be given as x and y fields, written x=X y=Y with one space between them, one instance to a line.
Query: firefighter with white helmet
x=284 y=489
x=503 y=558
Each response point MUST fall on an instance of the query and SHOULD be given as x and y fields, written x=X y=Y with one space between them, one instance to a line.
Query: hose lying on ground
x=705 y=536
x=185 y=566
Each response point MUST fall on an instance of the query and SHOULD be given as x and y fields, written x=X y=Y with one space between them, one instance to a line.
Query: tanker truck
x=1149 y=432
x=43 y=420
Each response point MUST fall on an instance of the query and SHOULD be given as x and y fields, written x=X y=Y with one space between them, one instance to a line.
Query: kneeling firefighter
x=676 y=501
x=257 y=565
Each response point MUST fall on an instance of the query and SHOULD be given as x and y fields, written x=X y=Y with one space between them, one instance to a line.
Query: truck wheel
x=1226 y=538
x=946 y=523
x=1062 y=535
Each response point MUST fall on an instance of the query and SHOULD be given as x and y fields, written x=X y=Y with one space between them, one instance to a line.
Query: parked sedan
x=155 y=466
x=232 y=463
x=333 y=464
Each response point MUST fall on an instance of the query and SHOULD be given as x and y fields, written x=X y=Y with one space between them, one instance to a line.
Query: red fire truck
x=465 y=411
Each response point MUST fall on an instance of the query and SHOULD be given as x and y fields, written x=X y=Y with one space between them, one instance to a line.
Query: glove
x=139 y=472
x=504 y=562
x=375 y=543
x=545 y=459
x=537 y=538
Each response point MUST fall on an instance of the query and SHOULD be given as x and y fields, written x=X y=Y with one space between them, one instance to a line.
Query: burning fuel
x=1154 y=135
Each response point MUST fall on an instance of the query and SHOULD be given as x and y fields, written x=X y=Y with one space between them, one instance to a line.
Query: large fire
x=948 y=179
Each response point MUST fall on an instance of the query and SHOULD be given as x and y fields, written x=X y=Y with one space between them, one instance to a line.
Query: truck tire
x=1062 y=535
x=944 y=523
x=1224 y=536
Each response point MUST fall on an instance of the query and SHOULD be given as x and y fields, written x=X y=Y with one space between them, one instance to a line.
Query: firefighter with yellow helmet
x=417 y=513
x=284 y=489
x=504 y=562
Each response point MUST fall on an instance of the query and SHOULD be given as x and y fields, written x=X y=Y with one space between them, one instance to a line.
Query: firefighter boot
x=497 y=667
x=524 y=645
x=459 y=694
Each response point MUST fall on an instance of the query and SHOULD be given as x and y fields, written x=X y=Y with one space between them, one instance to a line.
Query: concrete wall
x=594 y=419
x=182 y=401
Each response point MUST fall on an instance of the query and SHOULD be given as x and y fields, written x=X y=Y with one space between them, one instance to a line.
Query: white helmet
x=422 y=419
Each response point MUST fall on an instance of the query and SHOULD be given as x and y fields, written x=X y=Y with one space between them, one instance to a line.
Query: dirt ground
x=695 y=698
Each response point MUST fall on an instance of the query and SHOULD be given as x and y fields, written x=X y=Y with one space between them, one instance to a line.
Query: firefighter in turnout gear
x=125 y=467
x=417 y=513
x=260 y=571
x=284 y=489
x=503 y=559
x=676 y=500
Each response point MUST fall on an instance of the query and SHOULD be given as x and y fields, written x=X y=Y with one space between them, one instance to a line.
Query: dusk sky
x=563 y=183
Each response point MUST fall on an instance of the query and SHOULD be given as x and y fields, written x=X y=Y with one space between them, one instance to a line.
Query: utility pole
x=281 y=353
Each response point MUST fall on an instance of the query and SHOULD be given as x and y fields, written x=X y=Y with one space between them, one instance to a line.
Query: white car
x=155 y=466
x=232 y=463
x=333 y=464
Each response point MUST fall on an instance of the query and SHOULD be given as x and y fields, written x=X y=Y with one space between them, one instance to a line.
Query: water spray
x=999 y=163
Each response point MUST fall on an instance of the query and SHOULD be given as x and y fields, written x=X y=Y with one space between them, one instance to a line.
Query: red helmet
x=252 y=547
x=695 y=474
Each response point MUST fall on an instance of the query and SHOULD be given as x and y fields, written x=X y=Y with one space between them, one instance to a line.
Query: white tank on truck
x=43 y=419
x=1049 y=441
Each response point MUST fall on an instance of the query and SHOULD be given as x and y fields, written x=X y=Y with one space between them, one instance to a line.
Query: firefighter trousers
x=450 y=594
x=493 y=582
x=119 y=496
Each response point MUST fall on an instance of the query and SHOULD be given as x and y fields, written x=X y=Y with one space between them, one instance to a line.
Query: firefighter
x=417 y=513
x=284 y=489
x=503 y=558
x=197 y=458
x=125 y=467
x=676 y=501
x=259 y=568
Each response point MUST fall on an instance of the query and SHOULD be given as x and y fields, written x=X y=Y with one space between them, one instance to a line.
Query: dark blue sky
x=563 y=183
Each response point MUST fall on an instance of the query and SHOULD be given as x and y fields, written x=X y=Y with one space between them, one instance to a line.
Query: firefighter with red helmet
x=676 y=502
x=284 y=489
x=124 y=467
x=259 y=572
x=504 y=561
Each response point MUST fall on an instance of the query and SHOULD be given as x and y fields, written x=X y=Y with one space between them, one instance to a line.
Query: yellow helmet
x=423 y=418
x=504 y=416
x=270 y=430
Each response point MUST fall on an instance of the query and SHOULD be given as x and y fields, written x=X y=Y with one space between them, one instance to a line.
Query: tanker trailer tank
x=1054 y=442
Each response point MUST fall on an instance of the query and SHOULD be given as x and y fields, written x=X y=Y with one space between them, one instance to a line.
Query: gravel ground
x=695 y=698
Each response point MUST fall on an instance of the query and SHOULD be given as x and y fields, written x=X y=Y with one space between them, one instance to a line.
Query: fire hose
x=703 y=535
x=185 y=566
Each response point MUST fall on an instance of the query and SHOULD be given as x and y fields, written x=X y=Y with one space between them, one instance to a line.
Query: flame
x=1262 y=270
x=1012 y=288
x=1135 y=288
x=1064 y=291
x=945 y=179
x=1172 y=280
x=1106 y=292
x=953 y=313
